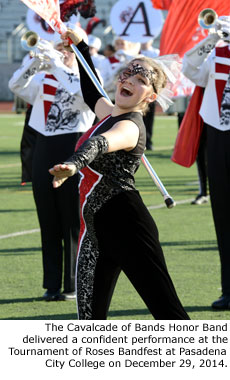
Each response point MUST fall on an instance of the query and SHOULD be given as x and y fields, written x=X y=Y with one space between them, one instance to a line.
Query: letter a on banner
x=136 y=21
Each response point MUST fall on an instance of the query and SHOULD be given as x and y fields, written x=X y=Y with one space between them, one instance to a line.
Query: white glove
x=222 y=28
x=48 y=56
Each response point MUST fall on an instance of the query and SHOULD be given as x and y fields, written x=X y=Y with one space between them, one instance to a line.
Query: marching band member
x=207 y=65
x=117 y=231
x=50 y=83
x=148 y=50
x=94 y=47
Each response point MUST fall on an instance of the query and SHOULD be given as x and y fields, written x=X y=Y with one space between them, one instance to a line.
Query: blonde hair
x=159 y=78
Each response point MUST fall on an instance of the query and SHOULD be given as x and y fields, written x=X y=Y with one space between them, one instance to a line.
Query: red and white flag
x=49 y=10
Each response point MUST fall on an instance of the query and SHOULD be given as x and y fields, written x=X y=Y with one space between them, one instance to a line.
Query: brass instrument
x=30 y=40
x=39 y=48
x=207 y=18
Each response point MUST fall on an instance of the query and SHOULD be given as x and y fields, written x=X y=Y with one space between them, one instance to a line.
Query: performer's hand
x=61 y=173
x=53 y=55
x=69 y=36
x=223 y=29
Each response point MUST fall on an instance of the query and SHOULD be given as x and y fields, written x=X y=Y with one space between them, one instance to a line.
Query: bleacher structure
x=12 y=26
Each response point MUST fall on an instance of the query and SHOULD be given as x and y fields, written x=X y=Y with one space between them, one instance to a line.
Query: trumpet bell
x=207 y=18
x=29 y=40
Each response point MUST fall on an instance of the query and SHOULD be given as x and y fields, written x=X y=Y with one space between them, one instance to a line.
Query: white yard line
x=10 y=165
x=164 y=205
x=14 y=234
x=19 y=233
x=158 y=148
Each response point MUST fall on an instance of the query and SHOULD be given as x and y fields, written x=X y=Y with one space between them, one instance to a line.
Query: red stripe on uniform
x=87 y=134
x=50 y=76
x=222 y=52
x=86 y=185
x=113 y=60
x=49 y=90
x=47 y=106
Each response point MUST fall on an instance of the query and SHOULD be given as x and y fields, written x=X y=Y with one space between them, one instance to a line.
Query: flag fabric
x=188 y=137
x=162 y=4
x=181 y=30
x=49 y=10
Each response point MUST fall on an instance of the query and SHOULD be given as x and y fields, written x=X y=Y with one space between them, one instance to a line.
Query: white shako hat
x=94 y=41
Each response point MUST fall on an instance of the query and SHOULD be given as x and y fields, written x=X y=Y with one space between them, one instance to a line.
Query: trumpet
x=39 y=48
x=207 y=18
x=30 y=40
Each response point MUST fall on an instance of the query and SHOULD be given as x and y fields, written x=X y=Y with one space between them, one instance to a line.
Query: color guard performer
x=117 y=231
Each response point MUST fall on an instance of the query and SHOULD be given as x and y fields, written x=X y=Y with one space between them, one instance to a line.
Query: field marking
x=20 y=233
x=164 y=205
x=157 y=148
x=10 y=116
x=38 y=229
x=165 y=117
x=10 y=165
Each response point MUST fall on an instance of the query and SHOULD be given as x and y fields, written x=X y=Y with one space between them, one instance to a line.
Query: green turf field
x=186 y=233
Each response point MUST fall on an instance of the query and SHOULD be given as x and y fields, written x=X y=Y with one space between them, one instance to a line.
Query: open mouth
x=126 y=92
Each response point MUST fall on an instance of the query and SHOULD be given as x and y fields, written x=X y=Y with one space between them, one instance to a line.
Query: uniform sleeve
x=196 y=62
x=24 y=83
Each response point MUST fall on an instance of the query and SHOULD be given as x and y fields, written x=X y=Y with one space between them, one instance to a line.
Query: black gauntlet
x=88 y=151
x=89 y=91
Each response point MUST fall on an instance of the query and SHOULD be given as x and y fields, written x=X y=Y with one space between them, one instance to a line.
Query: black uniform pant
x=218 y=155
x=201 y=162
x=128 y=240
x=57 y=209
x=149 y=124
x=27 y=145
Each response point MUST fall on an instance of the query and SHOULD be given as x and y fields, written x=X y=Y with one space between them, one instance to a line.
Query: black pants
x=27 y=146
x=57 y=209
x=201 y=162
x=128 y=240
x=218 y=154
x=149 y=124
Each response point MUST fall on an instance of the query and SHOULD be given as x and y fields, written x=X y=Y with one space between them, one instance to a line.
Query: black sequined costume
x=117 y=232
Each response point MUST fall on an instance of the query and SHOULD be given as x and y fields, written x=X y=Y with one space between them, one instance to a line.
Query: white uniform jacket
x=58 y=105
x=211 y=71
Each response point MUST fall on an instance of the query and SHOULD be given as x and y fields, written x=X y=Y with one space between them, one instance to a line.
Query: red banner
x=181 y=30
x=162 y=4
x=188 y=137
